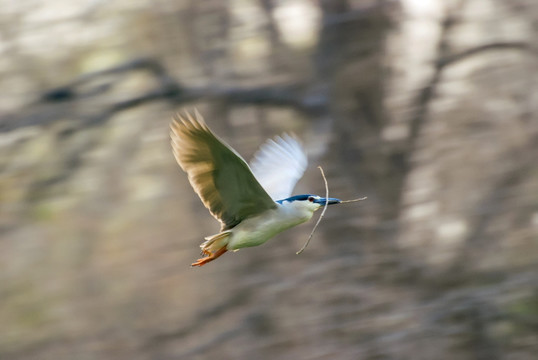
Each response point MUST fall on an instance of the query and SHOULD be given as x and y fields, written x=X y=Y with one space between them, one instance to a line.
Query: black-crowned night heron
x=253 y=204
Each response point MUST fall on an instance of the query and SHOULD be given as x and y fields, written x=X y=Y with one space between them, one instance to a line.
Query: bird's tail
x=215 y=242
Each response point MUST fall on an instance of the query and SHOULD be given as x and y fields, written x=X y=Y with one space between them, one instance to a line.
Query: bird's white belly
x=257 y=230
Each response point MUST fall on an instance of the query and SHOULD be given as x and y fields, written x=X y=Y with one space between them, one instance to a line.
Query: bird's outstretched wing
x=279 y=164
x=217 y=173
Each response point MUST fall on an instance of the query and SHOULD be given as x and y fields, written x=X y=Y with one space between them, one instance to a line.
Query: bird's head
x=309 y=201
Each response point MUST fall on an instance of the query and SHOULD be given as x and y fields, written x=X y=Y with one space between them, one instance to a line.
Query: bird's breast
x=258 y=229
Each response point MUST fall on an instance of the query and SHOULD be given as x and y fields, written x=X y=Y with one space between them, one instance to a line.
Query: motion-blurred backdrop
x=429 y=108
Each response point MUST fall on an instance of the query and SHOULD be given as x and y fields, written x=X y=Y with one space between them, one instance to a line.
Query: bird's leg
x=211 y=257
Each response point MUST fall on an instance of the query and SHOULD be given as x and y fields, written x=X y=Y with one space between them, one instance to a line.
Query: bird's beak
x=332 y=201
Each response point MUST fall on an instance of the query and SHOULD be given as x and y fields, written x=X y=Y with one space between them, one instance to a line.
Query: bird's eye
x=311 y=198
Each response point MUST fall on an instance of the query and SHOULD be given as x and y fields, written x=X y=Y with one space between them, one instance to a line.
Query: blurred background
x=429 y=108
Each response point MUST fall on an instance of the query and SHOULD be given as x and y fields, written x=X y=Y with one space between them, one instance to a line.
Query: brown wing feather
x=220 y=177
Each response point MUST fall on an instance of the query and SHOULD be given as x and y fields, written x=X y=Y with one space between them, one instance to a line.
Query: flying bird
x=252 y=203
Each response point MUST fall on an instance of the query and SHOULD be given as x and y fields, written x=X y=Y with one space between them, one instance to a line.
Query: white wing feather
x=278 y=165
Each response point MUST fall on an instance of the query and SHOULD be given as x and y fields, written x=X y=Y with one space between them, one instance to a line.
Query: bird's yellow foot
x=211 y=257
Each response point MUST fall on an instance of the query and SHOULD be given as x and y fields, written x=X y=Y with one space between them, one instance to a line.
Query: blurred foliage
x=429 y=108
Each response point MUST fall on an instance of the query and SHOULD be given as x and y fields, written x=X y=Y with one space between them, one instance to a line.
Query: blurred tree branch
x=450 y=59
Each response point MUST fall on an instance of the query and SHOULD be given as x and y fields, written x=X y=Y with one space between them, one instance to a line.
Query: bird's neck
x=299 y=211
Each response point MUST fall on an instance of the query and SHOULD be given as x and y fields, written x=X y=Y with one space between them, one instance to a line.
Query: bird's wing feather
x=220 y=177
x=279 y=164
